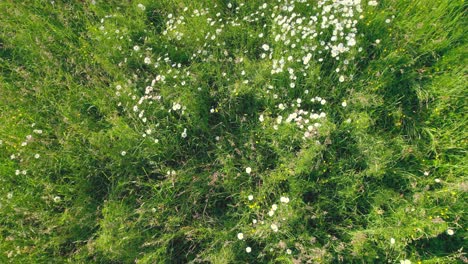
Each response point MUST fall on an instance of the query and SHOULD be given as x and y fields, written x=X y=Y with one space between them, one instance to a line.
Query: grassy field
x=217 y=131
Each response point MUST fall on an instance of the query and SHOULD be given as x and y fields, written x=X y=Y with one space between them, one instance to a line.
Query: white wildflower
x=274 y=227
x=142 y=7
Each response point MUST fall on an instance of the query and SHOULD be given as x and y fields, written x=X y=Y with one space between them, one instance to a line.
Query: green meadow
x=233 y=131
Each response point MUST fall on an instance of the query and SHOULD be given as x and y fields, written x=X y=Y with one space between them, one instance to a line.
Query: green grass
x=389 y=165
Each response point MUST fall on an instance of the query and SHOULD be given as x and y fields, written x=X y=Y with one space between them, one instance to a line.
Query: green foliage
x=86 y=177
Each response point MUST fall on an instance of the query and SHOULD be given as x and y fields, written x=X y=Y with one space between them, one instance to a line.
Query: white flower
x=342 y=78
x=274 y=207
x=136 y=48
x=437 y=180
x=147 y=60
x=392 y=241
x=10 y=195
x=57 y=199
x=377 y=41
x=344 y=104
x=288 y=251
x=406 y=261
x=450 y=232
x=248 y=170
x=240 y=236
x=271 y=213
x=307 y=58
x=426 y=173
x=265 y=47
x=284 y=199
x=176 y=106
x=248 y=249
x=274 y=227
x=37 y=156
x=261 y=118
x=184 y=134
x=141 y=6
x=250 y=197
x=254 y=221
x=373 y=3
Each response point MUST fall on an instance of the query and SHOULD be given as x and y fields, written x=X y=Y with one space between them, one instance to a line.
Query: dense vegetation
x=288 y=131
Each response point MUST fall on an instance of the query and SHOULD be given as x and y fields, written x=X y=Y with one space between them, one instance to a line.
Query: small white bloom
x=142 y=7
x=450 y=232
x=123 y=153
x=254 y=221
x=184 y=134
x=176 y=106
x=344 y=104
x=147 y=60
x=248 y=249
x=240 y=236
x=288 y=251
x=10 y=195
x=406 y=261
x=373 y=3
x=37 y=156
x=265 y=47
x=57 y=199
x=437 y=180
x=426 y=173
x=271 y=213
x=342 y=78
x=250 y=197
x=248 y=170
x=136 y=48
x=284 y=199
x=392 y=241
x=274 y=227
x=377 y=41
x=274 y=207
x=261 y=118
